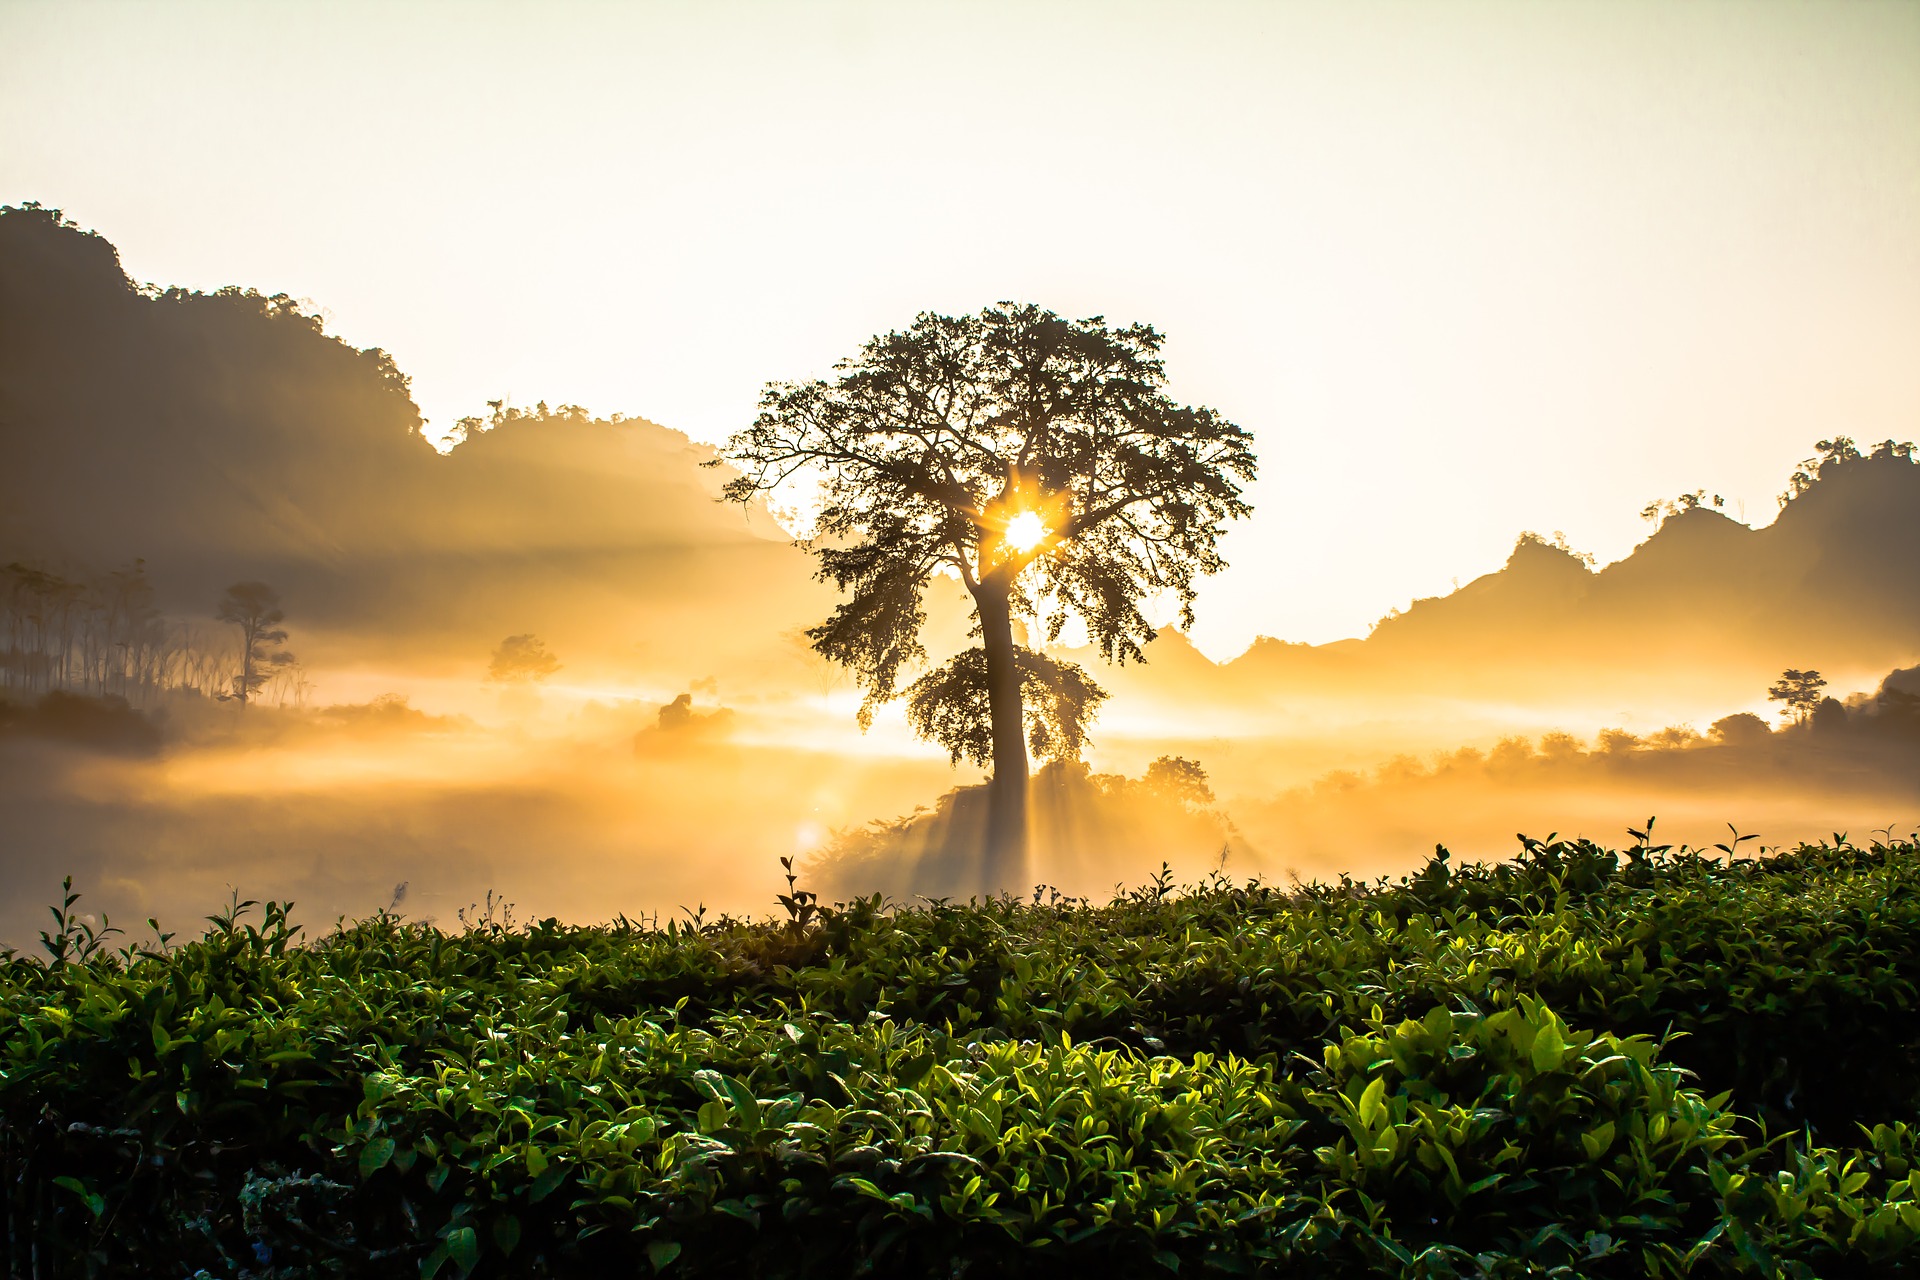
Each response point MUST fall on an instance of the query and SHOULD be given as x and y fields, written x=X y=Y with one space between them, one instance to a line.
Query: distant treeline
x=102 y=634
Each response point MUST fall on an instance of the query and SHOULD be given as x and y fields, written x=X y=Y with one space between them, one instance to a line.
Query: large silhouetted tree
x=1037 y=460
x=254 y=607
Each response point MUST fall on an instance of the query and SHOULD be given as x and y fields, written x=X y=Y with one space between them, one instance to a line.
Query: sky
x=1463 y=270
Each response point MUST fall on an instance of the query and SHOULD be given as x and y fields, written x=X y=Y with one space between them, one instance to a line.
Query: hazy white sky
x=1464 y=270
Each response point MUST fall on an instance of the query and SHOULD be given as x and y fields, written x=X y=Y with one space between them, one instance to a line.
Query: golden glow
x=1026 y=531
x=1681 y=235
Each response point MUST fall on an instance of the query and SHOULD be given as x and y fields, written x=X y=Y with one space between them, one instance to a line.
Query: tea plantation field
x=1579 y=1063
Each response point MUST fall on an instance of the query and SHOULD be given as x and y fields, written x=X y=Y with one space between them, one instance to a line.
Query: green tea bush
x=1577 y=1063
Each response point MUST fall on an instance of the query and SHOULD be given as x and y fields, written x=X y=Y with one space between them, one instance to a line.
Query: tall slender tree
x=254 y=607
x=1039 y=461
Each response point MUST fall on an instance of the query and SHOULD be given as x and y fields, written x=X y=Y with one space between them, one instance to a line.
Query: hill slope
x=226 y=436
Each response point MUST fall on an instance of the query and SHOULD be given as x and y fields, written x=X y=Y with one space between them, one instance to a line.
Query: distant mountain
x=1706 y=608
x=1842 y=561
x=226 y=436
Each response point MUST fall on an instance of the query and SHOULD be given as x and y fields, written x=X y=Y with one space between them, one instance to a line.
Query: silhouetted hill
x=226 y=436
x=183 y=426
x=1842 y=560
x=1706 y=608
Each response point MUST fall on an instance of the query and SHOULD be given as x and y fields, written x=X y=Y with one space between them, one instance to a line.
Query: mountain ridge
x=225 y=435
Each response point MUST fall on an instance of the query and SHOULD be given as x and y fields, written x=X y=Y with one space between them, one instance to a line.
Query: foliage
x=1038 y=461
x=521 y=659
x=98 y=634
x=254 y=607
x=104 y=636
x=1800 y=690
x=1180 y=779
x=1558 y=542
x=948 y=705
x=1577 y=1063
x=1832 y=454
x=1659 y=509
x=931 y=441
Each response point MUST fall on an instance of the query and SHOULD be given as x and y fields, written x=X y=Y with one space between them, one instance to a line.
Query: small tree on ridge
x=1800 y=690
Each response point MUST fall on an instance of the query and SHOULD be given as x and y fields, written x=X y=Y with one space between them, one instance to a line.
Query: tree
x=1828 y=455
x=1179 y=779
x=254 y=607
x=1741 y=729
x=1800 y=690
x=521 y=660
x=1698 y=499
x=1038 y=461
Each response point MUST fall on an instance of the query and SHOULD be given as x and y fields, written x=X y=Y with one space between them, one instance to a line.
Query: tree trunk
x=1004 y=858
x=246 y=664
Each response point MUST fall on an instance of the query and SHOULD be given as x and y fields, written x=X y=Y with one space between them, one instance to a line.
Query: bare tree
x=97 y=634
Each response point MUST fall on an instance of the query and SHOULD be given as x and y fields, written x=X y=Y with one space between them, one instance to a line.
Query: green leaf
x=1373 y=1103
x=95 y=1203
x=713 y=1116
x=463 y=1248
x=506 y=1232
x=746 y=1107
x=1549 y=1050
x=374 y=1156
x=661 y=1253
x=1595 y=1142
x=1705 y=1242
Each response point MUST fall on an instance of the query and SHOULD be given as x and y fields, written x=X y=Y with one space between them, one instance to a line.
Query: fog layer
x=549 y=663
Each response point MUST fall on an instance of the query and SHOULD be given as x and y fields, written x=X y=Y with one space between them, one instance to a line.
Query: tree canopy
x=1040 y=462
x=521 y=659
x=1800 y=690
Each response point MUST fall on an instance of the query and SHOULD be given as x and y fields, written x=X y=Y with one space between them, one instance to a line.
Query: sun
x=1025 y=531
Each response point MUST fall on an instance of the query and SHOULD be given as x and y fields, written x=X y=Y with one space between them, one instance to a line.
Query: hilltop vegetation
x=227 y=435
x=1655 y=1062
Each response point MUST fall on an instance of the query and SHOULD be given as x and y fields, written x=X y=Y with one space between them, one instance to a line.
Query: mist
x=548 y=663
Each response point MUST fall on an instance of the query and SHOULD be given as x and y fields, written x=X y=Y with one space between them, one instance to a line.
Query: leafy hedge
x=1577 y=1063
